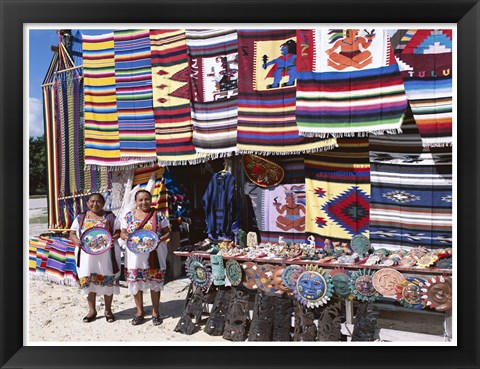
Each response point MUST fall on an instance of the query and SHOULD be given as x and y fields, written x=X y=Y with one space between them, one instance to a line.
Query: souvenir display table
x=353 y=310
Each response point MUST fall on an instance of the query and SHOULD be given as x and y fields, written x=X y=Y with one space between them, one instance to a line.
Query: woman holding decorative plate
x=146 y=231
x=97 y=254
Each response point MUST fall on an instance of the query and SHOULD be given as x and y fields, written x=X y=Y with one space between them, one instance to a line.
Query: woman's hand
x=123 y=235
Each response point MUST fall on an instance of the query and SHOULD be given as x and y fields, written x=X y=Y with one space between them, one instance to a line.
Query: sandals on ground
x=88 y=319
x=156 y=320
x=137 y=320
x=110 y=318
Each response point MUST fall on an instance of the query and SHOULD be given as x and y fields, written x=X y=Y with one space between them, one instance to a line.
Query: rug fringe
x=392 y=131
x=293 y=152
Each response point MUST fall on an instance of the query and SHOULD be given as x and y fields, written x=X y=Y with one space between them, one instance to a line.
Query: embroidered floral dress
x=95 y=273
x=138 y=274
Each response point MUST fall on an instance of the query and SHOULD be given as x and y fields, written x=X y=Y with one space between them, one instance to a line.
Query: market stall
x=306 y=174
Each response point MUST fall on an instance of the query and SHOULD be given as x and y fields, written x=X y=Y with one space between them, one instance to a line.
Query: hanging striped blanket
x=133 y=77
x=425 y=60
x=213 y=60
x=266 y=95
x=279 y=211
x=411 y=201
x=348 y=84
x=68 y=91
x=171 y=98
x=338 y=191
x=102 y=143
x=52 y=156
x=141 y=177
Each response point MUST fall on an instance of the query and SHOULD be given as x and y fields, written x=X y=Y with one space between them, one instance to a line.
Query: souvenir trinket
x=437 y=293
x=311 y=286
x=241 y=239
x=341 y=282
x=287 y=274
x=218 y=270
x=372 y=260
x=142 y=241
x=407 y=262
x=250 y=275
x=252 y=239
x=361 y=286
x=445 y=263
x=360 y=244
x=386 y=280
x=408 y=293
x=198 y=272
x=426 y=261
x=233 y=270
x=261 y=171
x=96 y=240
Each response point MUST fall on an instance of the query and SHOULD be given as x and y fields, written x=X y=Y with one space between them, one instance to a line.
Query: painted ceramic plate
x=142 y=241
x=287 y=274
x=265 y=278
x=360 y=244
x=249 y=278
x=198 y=272
x=96 y=240
x=233 y=270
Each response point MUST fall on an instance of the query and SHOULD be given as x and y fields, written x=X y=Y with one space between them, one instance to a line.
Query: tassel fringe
x=393 y=131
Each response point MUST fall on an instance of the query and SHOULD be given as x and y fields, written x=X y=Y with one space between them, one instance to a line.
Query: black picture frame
x=466 y=13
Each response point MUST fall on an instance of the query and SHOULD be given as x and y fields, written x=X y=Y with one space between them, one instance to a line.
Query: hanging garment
x=349 y=83
x=213 y=60
x=171 y=98
x=338 y=191
x=133 y=81
x=279 y=211
x=266 y=95
x=425 y=60
x=411 y=186
x=220 y=207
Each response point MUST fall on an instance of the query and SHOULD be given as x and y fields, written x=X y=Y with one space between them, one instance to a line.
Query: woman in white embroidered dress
x=97 y=274
x=146 y=271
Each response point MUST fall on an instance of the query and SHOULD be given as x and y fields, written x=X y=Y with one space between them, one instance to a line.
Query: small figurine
x=252 y=239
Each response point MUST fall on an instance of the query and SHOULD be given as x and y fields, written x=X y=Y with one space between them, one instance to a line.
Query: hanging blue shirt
x=220 y=207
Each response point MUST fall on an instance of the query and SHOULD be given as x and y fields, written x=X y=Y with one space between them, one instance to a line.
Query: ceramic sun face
x=311 y=286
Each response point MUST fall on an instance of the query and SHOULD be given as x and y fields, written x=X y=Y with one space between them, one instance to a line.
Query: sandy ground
x=56 y=311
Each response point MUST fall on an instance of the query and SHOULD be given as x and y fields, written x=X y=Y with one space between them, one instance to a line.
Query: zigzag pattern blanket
x=133 y=78
x=213 y=60
x=266 y=95
x=425 y=59
x=171 y=98
x=338 y=191
x=348 y=83
x=411 y=201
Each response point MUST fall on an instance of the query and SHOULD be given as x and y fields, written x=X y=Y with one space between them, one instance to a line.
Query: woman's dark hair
x=140 y=191
x=98 y=195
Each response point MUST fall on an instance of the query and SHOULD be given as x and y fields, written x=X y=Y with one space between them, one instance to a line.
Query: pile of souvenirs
x=313 y=286
x=359 y=251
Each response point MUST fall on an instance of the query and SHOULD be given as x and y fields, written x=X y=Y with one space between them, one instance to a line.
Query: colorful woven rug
x=425 y=59
x=279 y=211
x=349 y=83
x=338 y=191
x=102 y=142
x=133 y=77
x=68 y=91
x=213 y=59
x=52 y=259
x=171 y=98
x=411 y=202
x=266 y=95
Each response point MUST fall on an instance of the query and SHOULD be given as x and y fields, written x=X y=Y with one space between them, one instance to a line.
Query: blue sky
x=40 y=55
